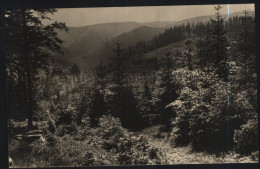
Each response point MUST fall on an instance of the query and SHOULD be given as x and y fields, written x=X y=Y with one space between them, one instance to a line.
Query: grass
x=185 y=155
x=70 y=151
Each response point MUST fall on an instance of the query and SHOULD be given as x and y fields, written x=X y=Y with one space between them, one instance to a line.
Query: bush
x=246 y=139
x=51 y=125
x=203 y=113
x=88 y=159
x=123 y=104
x=65 y=152
x=66 y=115
x=66 y=121
x=130 y=150
x=51 y=139
x=66 y=129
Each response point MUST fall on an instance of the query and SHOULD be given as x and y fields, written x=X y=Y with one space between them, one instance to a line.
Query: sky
x=89 y=16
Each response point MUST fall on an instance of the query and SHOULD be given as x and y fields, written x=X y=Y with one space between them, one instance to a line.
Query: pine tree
x=82 y=108
x=203 y=44
x=190 y=54
x=146 y=103
x=30 y=47
x=75 y=71
x=168 y=90
x=101 y=73
x=188 y=29
x=218 y=44
x=98 y=105
x=247 y=43
x=124 y=102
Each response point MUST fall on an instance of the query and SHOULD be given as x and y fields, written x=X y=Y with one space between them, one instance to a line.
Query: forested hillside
x=152 y=96
x=85 y=45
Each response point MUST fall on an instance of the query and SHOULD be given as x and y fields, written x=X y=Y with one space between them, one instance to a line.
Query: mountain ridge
x=85 y=45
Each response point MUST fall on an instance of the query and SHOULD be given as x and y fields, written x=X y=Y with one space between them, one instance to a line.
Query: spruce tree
x=98 y=105
x=82 y=108
x=188 y=29
x=189 y=54
x=168 y=93
x=146 y=102
x=30 y=47
x=124 y=102
x=246 y=46
x=218 y=44
x=75 y=72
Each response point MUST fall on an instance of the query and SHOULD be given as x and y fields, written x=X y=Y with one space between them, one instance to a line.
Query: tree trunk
x=30 y=96
x=28 y=76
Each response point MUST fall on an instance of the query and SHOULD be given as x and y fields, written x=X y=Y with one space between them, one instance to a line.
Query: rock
x=43 y=126
x=11 y=163
x=19 y=127
x=34 y=132
x=33 y=138
x=18 y=137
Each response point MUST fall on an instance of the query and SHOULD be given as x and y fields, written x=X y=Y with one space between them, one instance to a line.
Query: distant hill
x=127 y=39
x=203 y=19
x=105 y=31
x=85 y=45
x=161 y=51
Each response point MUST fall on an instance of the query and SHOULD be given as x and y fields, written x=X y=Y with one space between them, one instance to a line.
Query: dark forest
x=185 y=95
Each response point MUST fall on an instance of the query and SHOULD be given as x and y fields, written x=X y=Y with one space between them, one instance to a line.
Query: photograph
x=131 y=85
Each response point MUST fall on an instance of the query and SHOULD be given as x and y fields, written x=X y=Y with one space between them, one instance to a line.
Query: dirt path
x=184 y=155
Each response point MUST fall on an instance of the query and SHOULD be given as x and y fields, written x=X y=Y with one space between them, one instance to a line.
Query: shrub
x=130 y=150
x=66 y=129
x=66 y=115
x=203 y=112
x=83 y=131
x=51 y=139
x=51 y=125
x=246 y=139
x=88 y=159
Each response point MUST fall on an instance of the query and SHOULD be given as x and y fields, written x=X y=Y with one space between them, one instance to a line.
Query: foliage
x=246 y=137
x=202 y=96
x=203 y=113
x=190 y=55
x=82 y=108
x=66 y=120
x=109 y=144
x=97 y=106
x=167 y=88
x=51 y=126
x=75 y=71
x=129 y=149
x=30 y=47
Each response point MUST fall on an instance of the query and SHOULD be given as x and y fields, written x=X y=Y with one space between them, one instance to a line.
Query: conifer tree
x=188 y=29
x=190 y=54
x=246 y=45
x=98 y=105
x=146 y=98
x=30 y=47
x=218 y=44
x=82 y=108
x=75 y=71
x=124 y=101
x=168 y=90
